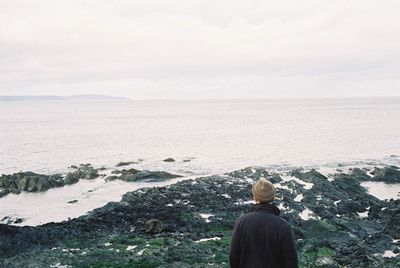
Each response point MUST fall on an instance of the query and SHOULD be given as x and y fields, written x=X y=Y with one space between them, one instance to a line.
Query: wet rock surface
x=141 y=175
x=34 y=182
x=336 y=223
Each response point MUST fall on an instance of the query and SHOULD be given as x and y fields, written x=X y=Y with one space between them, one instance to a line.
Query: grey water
x=203 y=136
x=215 y=135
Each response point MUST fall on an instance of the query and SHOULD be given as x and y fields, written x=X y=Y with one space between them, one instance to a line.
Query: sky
x=157 y=49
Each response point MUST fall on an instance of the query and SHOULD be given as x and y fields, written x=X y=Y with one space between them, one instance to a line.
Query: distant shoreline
x=75 y=98
x=79 y=98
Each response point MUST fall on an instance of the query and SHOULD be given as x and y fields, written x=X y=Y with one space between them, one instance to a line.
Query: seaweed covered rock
x=24 y=181
x=141 y=175
x=34 y=182
x=188 y=224
x=83 y=172
x=389 y=174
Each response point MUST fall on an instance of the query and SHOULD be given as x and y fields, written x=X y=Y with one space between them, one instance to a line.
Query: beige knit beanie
x=263 y=191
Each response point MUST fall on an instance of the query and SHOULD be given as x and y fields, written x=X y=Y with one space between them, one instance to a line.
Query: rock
x=326 y=262
x=132 y=175
x=56 y=181
x=126 y=171
x=6 y=220
x=33 y=182
x=393 y=225
x=11 y=220
x=151 y=176
x=120 y=164
x=83 y=172
x=87 y=172
x=360 y=174
x=14 y=189
x=169 y=160
x=4 y=192
x=23 y=183
x=19 y=220
x=43 y=184
x=32 y=185
x=346 y=206
x=71 y=178
x=310 y=176
x=154 y=226
x=387 y=174
x=111 y=178
x=6 y=181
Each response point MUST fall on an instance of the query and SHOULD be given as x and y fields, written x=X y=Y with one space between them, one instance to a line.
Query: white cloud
x=185 y=49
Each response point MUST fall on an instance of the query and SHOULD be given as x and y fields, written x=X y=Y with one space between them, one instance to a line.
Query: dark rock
x=154 y=226
x=6 y=220
x=34 y=182
x=14 y=189
x=126 y=171
x=169 y=160
x=19 y=220
x=6 y=181
x=56 y=181
x=43 y=184
x=120 y=164
x=101 y=168
x=85 y=172
x=153 y=176
x=111 y=178
x=360 y=174
x=346 y=206
x=393 y=225
x=386 y=174
x=136 y=175
x=32 y=187
x=22 y=183
x=71 y=178
x=310 y=176
x=4 y=192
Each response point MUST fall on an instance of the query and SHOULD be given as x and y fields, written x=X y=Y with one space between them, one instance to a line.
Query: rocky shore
x=34 y=182
x=336 y=223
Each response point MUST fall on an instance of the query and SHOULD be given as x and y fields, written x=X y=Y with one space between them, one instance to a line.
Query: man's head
x=263 y=191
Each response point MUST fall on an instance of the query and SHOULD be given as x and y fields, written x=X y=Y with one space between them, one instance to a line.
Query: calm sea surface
x=216 y=136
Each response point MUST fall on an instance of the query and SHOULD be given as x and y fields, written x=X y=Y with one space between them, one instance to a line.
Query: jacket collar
x=267 y=208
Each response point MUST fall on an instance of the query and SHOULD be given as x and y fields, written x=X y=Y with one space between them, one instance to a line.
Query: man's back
x=262 y=239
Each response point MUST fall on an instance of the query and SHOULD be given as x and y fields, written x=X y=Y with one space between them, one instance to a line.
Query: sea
x=204 y=137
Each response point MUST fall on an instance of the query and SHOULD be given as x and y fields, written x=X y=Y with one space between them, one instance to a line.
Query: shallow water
x=382 y=190
x=52 y=205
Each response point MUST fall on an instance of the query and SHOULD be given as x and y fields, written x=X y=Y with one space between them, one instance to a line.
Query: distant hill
x=63 y=98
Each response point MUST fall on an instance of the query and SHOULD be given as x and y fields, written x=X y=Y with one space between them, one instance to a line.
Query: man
x=261 y=238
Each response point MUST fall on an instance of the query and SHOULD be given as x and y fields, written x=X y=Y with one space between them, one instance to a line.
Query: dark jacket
x=262 y=239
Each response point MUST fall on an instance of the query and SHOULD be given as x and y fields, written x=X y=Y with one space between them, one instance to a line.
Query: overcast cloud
x=200 y=49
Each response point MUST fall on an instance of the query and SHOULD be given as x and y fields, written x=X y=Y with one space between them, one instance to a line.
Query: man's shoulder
x=275 y=219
